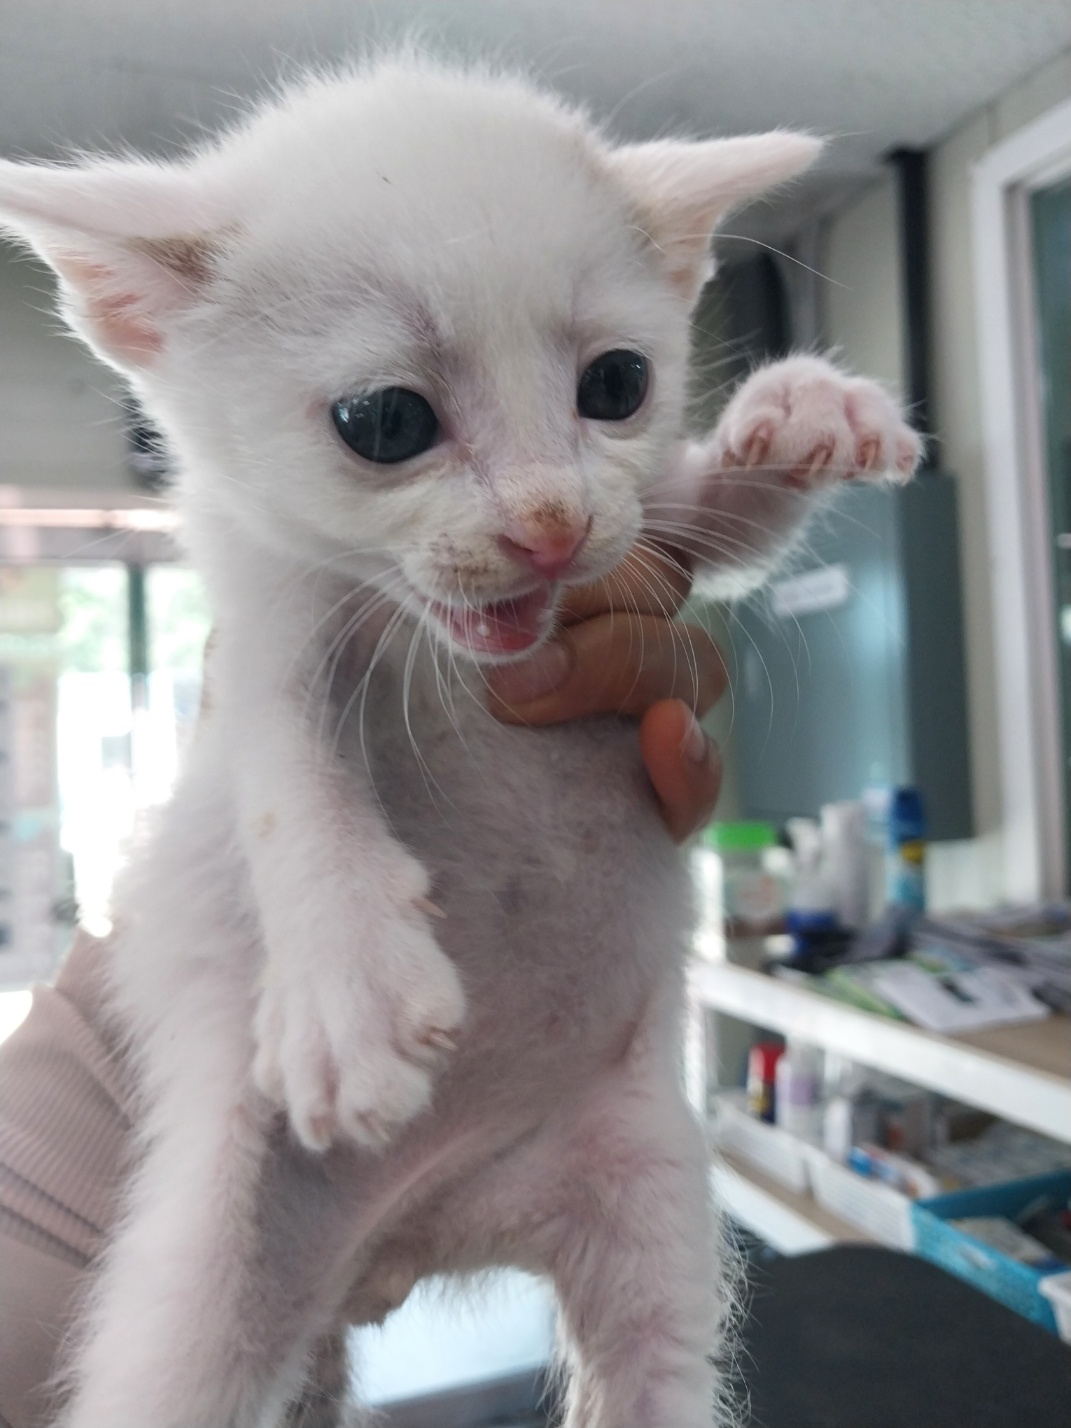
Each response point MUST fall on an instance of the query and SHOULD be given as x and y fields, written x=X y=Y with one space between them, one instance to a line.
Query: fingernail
x=543 y=672
x=694 y=743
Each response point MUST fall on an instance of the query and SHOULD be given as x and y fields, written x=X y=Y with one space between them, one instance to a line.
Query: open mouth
x=501 y=627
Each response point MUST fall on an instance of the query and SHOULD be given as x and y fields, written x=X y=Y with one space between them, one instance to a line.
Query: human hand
x=619 y=651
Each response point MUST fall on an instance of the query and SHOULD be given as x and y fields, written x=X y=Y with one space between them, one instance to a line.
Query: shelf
x=1021 y=1073
x=791 y=1221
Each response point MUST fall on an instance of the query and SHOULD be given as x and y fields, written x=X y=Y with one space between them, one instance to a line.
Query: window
x=100 y=682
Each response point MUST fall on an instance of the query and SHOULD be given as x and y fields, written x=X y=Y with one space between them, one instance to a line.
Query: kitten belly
x=566 y=902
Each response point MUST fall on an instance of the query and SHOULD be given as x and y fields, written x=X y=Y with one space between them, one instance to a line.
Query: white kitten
x=418 y=339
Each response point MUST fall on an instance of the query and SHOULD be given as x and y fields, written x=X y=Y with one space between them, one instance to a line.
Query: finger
x=683 y=765
x=612 y=664
x=651 y=580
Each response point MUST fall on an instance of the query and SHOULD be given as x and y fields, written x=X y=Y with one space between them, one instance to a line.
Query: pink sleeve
x=64 y=1141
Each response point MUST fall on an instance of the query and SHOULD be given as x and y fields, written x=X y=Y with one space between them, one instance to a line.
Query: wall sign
x=824 y=588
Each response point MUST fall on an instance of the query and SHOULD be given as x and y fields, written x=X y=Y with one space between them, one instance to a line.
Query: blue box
x=979 y=1264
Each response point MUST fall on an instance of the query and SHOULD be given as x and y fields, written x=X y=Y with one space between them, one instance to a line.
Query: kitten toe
x=377 y=1098
x=885 y=446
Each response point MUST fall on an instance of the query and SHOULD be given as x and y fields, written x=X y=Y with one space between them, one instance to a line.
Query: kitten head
x=428 y=325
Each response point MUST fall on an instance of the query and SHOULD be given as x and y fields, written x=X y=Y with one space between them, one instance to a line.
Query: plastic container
x=754 y=890
x=1057 y=1290
x=906 y=1116
x=811 y=898
x=762 y=1063
x=909 y=1177
x=906 y=867
x=1014 y=1284
x=773 y=1151
x=878 y=1210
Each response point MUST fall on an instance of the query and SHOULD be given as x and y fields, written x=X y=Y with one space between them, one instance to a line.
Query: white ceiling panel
x=871 y=74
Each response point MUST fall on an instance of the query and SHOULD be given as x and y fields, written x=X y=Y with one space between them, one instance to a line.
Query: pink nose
x=548 y=552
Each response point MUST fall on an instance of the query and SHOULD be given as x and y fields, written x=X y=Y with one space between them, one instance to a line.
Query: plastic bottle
x=844 y=833
x=810 y=907
x=753 y=889
x=762 y=1078
x=797 y=1080
x=905 y=881
x=876 y=798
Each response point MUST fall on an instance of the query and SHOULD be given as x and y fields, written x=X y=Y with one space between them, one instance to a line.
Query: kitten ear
x=682 y=190
x=133 y=242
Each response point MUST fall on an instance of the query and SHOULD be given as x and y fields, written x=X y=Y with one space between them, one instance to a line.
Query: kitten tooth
x=426 y=906
x=483 y=629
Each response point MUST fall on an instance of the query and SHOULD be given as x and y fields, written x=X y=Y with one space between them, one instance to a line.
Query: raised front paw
x=348 y=1043
x=814 y=426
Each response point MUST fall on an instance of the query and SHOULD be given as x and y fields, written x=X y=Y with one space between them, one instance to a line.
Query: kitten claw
x=435 y=1036
x=377 y=1130
x=756 y=450
x=910 y=449
x=869 y=452
x=427 y=907
x=318 y=1131
x=819 y=461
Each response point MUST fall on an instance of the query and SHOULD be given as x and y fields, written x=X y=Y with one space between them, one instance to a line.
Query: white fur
x=312 y=1143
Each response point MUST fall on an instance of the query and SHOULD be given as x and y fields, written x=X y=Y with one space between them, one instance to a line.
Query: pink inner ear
x=126 y=331
x=119 y=321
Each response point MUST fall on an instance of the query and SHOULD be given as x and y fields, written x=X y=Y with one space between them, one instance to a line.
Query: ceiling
x=871 y=74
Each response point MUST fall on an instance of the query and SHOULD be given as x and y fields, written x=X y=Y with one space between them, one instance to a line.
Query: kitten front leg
x=794 y=429
x=358 y=1005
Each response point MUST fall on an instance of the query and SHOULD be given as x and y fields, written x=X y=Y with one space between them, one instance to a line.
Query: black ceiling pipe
x=913 y=196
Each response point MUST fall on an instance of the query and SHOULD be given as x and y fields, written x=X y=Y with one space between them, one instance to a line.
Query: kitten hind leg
x=638 y=1273
x=324 y=1398
x=615 y=1209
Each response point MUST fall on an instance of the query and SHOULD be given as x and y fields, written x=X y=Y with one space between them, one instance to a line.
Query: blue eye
x=613 y=387
x=387 y=426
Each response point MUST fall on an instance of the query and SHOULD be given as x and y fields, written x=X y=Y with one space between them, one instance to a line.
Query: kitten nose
x=548 y=551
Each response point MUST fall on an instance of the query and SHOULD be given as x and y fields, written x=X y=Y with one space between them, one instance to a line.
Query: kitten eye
x=613 y=387
x=387 y=426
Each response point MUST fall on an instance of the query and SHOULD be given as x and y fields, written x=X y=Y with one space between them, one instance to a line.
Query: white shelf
x=1021 y=1073
x=791 y=1222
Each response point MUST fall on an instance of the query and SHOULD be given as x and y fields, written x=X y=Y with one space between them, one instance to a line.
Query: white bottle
x=796 y=1101
x=844 y=837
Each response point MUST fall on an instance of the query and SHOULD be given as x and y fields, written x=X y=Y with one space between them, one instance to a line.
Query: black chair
x=861 y=1337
